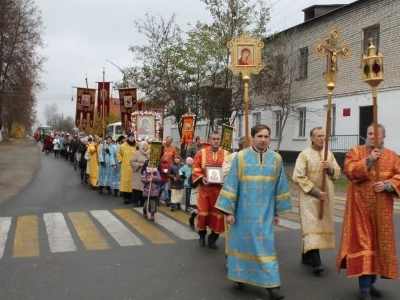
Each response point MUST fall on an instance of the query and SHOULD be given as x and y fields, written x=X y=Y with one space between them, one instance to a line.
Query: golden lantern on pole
x=331 y=49
x=372 y=65
x=246 y=59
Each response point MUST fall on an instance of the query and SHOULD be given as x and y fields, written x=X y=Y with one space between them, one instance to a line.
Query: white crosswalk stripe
x=118 y=231
x=60 y=239
x=5 y=224
x=183 y=232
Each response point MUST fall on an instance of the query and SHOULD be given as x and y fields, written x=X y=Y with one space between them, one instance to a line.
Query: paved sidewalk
x=19 y=161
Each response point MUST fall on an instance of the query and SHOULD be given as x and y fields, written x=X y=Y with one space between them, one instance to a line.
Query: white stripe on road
x=118 y=231
x=5 y=224
x=179 y=230
x=60 y=239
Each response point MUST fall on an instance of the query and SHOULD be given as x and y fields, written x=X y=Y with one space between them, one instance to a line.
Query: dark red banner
x=140 y=105
x=85 y=101
x=103 y=98
x=128 y=104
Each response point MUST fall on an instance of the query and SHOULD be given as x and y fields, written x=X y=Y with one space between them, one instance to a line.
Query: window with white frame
x=303 y=63
x=302 y=115
x=371 y=34
x=256 y=118
x=240 y=126
x=333 y=119
x=278 y=122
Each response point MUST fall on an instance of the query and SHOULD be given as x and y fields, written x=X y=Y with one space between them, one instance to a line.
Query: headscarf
x=141 y=145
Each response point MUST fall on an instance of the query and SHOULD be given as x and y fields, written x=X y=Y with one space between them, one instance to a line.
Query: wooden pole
x=377 y=177
x=246 y=80
x=330 y=87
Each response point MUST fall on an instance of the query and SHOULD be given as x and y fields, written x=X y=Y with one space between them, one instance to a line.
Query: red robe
x=208 y=195
x=48 y=143
x=359 y=251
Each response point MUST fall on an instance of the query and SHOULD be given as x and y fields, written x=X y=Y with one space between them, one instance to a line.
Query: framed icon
x=145 y=126
x=85 y=100
x=214 y=174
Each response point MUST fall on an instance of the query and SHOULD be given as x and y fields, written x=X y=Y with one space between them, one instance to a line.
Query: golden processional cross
x=332 y=50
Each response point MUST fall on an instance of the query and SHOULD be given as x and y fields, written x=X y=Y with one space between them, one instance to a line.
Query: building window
x=256 y=118
x=302 y=122
x=278 y=123
x=240 y=126
x=279 y=65
x=303 y=63
x=373 y=33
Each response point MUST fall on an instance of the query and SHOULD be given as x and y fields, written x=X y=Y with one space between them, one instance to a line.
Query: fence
x=343 y=143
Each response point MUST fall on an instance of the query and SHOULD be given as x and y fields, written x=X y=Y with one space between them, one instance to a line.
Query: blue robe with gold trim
x=254 y=192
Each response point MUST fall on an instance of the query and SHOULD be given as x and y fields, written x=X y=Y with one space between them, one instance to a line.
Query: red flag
x=103 y=97
x=85 y=100
x=128 y=104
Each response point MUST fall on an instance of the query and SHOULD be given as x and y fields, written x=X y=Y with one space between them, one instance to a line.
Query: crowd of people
x=253 y=194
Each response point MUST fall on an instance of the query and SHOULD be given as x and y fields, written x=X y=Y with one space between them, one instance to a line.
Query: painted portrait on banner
x=85 y=100
x=128 y=101
x=245 y=55
x=145 y=127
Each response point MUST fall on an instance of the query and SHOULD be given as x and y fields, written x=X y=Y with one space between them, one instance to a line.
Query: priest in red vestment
x=209 y=192
x=359 y=251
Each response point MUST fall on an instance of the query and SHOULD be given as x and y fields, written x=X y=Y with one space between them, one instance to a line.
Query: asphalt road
x=161 y=260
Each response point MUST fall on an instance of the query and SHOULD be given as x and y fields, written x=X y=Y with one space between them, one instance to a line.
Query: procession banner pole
x=102 y=106
x=329 y=48
x=246 y=59
x=373 y=75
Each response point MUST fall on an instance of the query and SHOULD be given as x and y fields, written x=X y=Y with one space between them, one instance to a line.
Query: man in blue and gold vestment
x=254 y=194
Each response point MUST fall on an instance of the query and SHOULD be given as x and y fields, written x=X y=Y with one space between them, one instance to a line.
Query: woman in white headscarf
x=137 y=161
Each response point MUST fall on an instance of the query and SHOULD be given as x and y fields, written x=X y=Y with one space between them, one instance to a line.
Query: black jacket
x=173 y=171
x=192 y=150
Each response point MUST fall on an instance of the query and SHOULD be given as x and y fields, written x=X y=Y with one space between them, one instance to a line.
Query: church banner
x=155 y=153
x=103 y=98
x=227 y=135
x=187 y=130
x=85 y=101
x=128 y=104
x=140 y=105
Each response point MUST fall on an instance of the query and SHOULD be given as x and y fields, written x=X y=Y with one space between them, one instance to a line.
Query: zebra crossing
x=104 y=229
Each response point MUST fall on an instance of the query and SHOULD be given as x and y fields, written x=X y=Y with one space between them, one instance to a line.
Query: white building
x=352 y=99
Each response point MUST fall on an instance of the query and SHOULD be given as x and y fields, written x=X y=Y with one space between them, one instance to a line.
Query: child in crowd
x=150 y=178
x=185 y=172
x=164 y=184
x=176 y=183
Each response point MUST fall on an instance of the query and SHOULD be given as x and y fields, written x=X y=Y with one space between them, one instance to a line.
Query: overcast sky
x=81 y=35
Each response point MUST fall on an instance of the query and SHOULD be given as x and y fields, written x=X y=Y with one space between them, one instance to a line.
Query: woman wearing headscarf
x=124 y=156
x=93 y=162
x=137 y=162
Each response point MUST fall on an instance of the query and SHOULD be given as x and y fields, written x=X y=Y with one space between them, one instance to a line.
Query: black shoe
x=211 y=241
x=374 y=292
x=116 y=193
x=319 y=269
x=202 y=239
x=178 y=206
x=167 y=203
x=238 y=285
x=275 y=294
x=364 y=295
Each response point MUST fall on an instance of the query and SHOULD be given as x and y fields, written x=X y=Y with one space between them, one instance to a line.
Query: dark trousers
x=366 y=281
x=187 y=199
x=313 y=257
x=137 y=196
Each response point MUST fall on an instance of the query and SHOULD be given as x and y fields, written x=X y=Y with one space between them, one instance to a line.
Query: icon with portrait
x=85 y=100
x=128 y=101
x=245 y=55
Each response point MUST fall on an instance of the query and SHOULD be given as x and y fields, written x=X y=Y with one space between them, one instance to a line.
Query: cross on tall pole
x=331 y=49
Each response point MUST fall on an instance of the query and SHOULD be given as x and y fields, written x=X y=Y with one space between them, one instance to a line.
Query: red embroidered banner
x=128 y=104
x=187 y=130
x=103 y=98
x=140 y=105
x=85 y=101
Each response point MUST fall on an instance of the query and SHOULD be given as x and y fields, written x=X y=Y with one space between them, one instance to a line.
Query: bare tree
x=276 y=84
x=20 y=36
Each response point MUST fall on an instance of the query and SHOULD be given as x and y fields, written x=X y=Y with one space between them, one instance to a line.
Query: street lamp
x=123 y=73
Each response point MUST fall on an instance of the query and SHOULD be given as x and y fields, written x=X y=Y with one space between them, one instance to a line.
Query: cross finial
x=371 y=39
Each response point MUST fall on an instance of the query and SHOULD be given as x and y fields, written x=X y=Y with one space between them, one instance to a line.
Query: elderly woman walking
x=137 y=161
